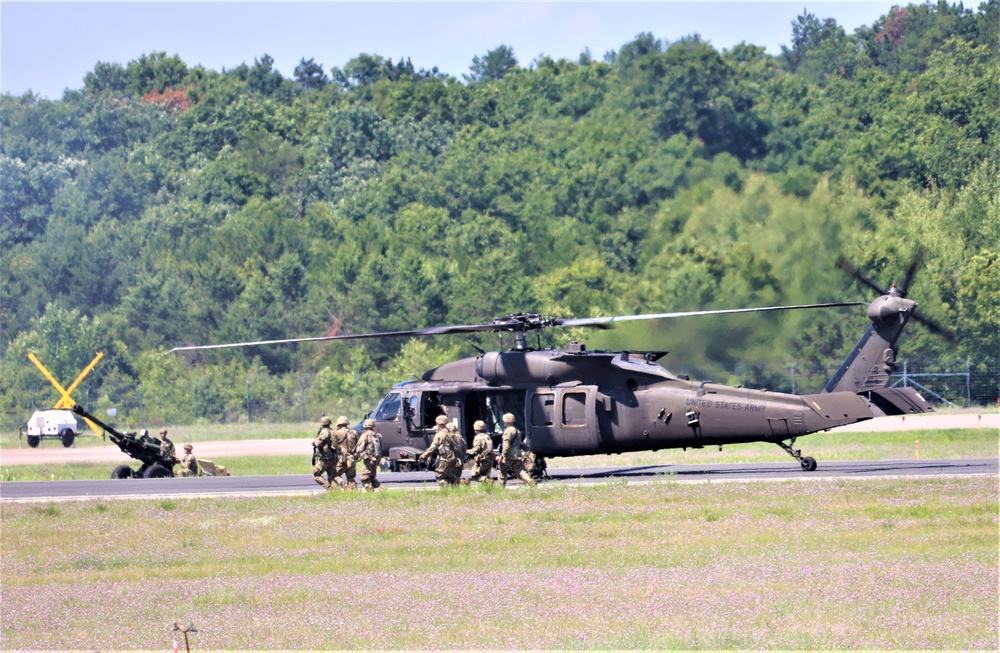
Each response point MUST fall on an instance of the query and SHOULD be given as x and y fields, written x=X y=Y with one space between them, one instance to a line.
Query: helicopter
x=571 y=401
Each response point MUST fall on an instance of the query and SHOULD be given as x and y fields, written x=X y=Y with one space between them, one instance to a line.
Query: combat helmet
x=441 y=419
x=369 y=423
x=324 y=421
x=343 y=421
x=508 y=418
x=479 y=426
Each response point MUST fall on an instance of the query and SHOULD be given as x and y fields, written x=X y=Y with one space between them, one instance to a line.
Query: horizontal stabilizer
x=898 y=401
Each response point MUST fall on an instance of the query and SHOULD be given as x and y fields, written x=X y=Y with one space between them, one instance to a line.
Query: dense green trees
x=162 y=205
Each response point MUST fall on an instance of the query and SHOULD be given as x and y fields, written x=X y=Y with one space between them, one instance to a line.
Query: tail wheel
x=34 y=441
x=121 y=471
x=809 y=464
x=67 y=436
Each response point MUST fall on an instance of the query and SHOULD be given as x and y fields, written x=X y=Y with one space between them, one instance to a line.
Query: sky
x=47 y=47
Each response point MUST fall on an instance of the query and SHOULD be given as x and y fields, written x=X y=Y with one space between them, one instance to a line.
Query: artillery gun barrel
x=140 y=447
x=118 y=435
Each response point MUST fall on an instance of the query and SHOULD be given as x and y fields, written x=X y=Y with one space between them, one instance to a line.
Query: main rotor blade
x=605 y=322
x=429 y=331
x=856 y=273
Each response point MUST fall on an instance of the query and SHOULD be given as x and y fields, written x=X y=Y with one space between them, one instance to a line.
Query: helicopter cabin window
x=542 y=409
x=388 y=410
x=574 y=411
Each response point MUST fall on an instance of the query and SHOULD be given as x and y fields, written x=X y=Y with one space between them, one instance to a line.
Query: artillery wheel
x=34 y=441
x=156 y=470
x=121 y=471
x=67 y=436
x=403 y=466
x=809 y=464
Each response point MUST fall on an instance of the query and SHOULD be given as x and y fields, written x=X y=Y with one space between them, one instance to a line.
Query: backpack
x=377 y=444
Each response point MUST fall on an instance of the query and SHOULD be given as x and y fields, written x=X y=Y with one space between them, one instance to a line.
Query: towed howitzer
x=141 y=446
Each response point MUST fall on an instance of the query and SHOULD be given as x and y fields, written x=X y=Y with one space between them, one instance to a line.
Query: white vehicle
x=52 y=424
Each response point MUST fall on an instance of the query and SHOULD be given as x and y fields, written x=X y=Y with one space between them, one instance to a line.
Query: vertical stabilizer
x=872 y=360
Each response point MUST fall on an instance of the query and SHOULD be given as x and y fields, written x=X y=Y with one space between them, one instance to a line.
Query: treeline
x=163 y=205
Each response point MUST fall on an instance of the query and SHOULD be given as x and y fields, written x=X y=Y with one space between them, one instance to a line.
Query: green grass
x=866 y=564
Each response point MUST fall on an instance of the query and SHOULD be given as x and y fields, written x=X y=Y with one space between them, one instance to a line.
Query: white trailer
x=52 y=424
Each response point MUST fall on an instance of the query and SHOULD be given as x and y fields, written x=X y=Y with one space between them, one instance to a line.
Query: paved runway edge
x=302 y=484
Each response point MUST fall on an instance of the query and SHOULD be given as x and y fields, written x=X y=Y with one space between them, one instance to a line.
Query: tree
x=809 y=33
x=493 y=66
x=262 y=77
x=310 y=75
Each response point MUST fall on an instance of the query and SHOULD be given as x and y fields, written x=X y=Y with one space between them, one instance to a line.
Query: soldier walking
x=511 y=464
x=324 y=454
x=446 y=458
x=458 y=445
x=189 y=464
x=345 y=440
x=481 y=454
x=369 y=451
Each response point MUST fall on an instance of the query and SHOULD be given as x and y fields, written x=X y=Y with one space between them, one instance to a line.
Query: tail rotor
x=900 y=291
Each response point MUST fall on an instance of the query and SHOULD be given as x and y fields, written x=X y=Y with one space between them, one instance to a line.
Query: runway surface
x=303 y=483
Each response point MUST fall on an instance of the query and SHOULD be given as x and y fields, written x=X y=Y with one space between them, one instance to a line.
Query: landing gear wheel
x=808 y=463
x=157 y=471
x=121 y=471
x=34 y=441
x=67 y=437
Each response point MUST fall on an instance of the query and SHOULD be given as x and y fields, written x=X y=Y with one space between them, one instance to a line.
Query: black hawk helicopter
x=575 y=402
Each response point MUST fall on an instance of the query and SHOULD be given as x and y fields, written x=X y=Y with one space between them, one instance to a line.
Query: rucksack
x=377 y=444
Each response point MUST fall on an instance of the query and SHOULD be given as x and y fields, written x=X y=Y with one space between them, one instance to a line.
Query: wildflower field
x=807 y=564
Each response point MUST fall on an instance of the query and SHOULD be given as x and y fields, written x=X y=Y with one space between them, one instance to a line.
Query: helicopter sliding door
x=562 y=421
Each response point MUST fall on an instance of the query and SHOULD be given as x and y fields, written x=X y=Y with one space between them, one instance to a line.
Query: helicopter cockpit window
x=388 y=410
x=542 y=409
x=574 y=411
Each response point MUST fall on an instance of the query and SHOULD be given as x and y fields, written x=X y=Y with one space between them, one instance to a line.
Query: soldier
x=324 y=454
x=167 y=452
x=189 y=464
x=458 y=445
x=481 y=454
x=442 y=446
x=369 y=451
x=345 y=440
x=511 y=464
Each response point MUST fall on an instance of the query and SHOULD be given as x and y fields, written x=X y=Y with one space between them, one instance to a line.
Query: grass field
x=824 y=564
x=936 y=445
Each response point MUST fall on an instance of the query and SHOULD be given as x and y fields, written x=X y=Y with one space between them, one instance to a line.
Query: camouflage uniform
x=458 y=445
x=366 y=450
x=481 y=454
x=447 y=461
x=345 y=440
x=168 y=454
x=511 y=464
x=189 y=464
x=535 y=465
x=326 y=454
